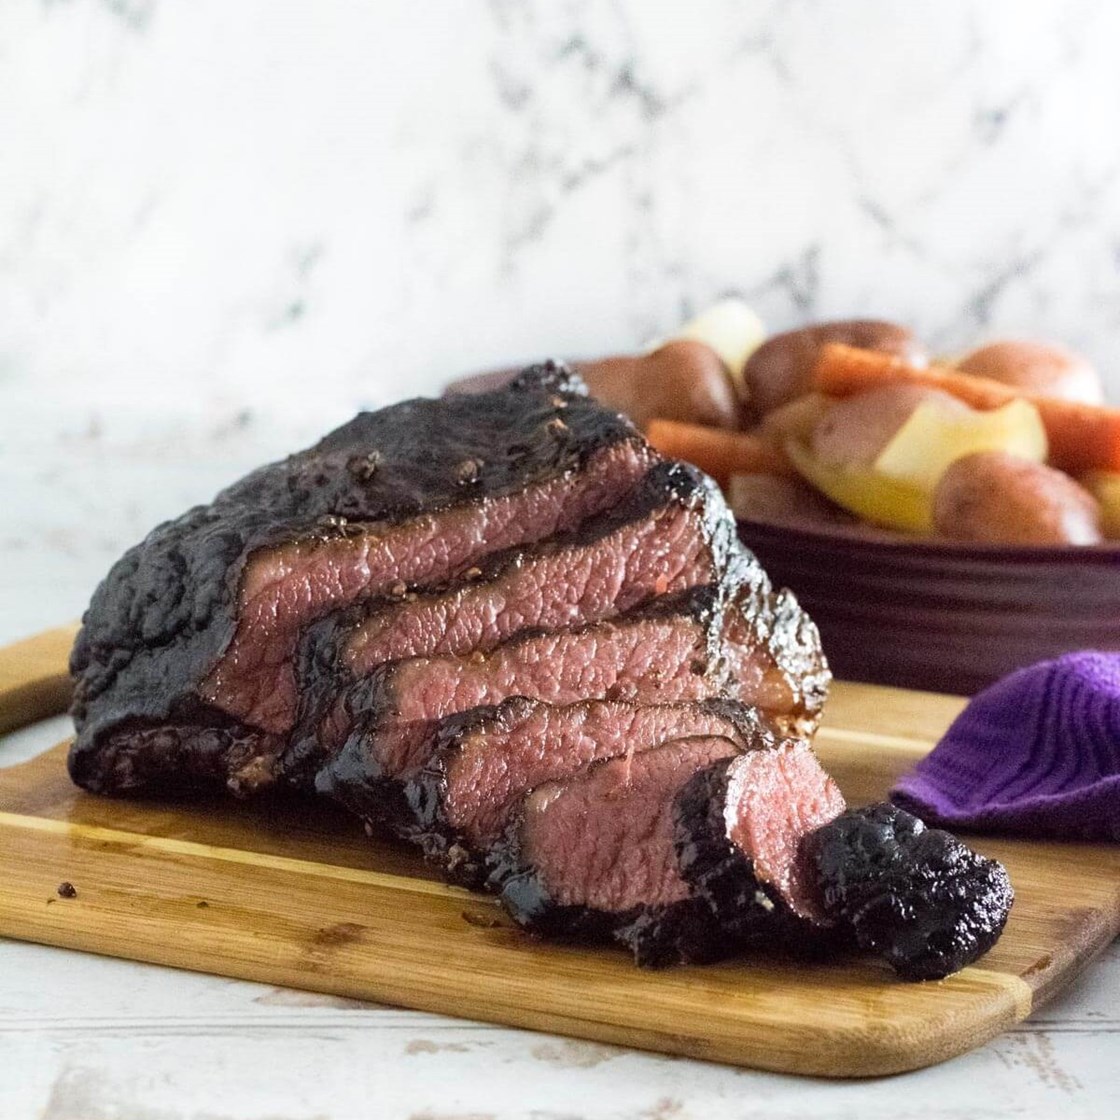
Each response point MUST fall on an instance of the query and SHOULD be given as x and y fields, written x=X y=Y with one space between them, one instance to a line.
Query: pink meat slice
x=643 y=660
x=605 y=839
x=283 y=589
x=774 y=799
x=666 y=552
x=487 y=768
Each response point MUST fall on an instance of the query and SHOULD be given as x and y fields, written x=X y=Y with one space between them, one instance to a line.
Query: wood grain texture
x=34 y=682
x=292 y=893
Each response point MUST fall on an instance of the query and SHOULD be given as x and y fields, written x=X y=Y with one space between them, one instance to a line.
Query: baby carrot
x=717 y=451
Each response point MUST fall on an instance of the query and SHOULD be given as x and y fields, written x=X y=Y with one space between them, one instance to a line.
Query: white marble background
x=292 y=206
x=224 y=224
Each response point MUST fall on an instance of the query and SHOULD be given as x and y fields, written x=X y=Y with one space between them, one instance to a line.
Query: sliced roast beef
x=662 y=652
x=736 y=639
x=673 y=533
x=457 y=806
x=740 y=825
x=594 y=857
x=189 y=642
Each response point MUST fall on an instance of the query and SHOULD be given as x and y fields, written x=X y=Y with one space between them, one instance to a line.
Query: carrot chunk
x=717 y=451
x=1082 y=437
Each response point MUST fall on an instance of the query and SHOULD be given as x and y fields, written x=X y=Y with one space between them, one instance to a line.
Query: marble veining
x=206 y=207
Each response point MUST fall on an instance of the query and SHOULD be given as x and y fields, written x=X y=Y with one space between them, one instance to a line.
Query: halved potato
x=933 y=438
x=1105 y=487
x=877 y=498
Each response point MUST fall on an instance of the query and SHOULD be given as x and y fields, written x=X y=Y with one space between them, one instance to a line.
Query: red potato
x=1041 y=368
x=995 y=498
x=782 y=367
x=793 y=420
x=683 y=380
x=781 y=501
x=851 y=432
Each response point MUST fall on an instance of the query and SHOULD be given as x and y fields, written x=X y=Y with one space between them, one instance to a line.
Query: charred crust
x=916 y=897
x=198 y=752
x=714 y=867
x=468 y=471
x=752 y=914
x=365 y=466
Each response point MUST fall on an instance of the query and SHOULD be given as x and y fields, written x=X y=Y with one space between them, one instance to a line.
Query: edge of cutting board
x=203 y=888
x=35 y=678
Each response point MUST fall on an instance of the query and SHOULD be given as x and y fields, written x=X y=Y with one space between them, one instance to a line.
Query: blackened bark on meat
x=917 y=897
x=162 y=619
x=730 y=809
x=752 y=912
x=774 y=621
x=167 y=760
x=683 y=932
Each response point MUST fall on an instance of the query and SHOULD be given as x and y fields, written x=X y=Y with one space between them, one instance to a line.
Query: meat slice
x=739 y=830
x=594 y=857
x=184 y=666
x=673 y=533
x=458 y=805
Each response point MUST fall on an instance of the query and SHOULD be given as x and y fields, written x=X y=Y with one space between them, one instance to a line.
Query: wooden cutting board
x=293 y=893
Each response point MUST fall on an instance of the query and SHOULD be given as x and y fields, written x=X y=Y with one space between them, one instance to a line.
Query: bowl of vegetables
x=943 y=521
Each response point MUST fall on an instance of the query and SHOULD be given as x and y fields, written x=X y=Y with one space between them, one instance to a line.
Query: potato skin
x=995 y=498
x=782 y=501
x=682 y=380
x=1036 y=367
x=782 y=367
x=794 y=420
x=852 y=431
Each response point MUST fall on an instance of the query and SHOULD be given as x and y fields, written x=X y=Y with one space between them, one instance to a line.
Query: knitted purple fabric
x=1036 y=753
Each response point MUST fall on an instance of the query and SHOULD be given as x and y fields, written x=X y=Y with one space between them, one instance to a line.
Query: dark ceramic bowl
x=941 y=616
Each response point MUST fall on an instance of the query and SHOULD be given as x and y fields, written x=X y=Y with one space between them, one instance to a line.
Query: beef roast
x=502 y=626
x=673 y=533
x=724 y=640
x=458 y=805
x=184 y=666
x=594 y=857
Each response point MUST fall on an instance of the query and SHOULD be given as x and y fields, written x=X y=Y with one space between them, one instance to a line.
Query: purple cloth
x=1037 y=753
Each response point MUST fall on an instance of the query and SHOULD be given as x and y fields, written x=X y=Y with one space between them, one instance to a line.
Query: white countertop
x=90 y=1038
